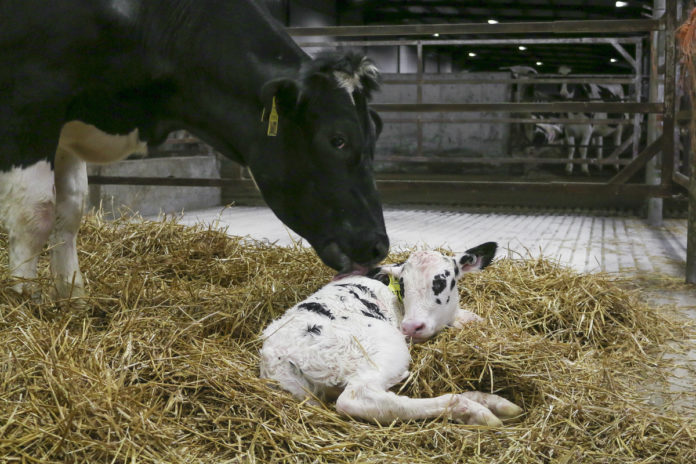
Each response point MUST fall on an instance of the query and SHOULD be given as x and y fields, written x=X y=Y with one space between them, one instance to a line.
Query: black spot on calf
x=314 y=329
x=453 y=284
x=362 y=288
x=372 y=308
x=439 y=283
x=317 y=308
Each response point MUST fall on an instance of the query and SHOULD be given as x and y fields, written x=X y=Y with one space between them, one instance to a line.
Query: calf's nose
x=412 y=328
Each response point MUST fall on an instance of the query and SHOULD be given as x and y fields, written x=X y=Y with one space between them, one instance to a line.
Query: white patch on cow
x=126 y=8
x=27 y=212
x=71 y=194
x=351 y=82
x=348 y=82
x=36 y=203
x=90 y=144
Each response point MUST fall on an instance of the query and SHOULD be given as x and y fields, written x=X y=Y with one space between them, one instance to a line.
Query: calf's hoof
x=498 y=405
x=472 y=413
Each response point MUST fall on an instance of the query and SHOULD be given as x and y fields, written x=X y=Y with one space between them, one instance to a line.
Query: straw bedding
x=161 y=364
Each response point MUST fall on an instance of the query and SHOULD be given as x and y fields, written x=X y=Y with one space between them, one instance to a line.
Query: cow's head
x=429 y=284
x=316 y=172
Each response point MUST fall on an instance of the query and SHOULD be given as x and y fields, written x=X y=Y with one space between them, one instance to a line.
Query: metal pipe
x=555 y=27
x=439 y=43
x=656 y=93
x=556 y=107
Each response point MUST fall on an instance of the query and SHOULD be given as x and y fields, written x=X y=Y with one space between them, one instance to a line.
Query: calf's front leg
x=372 y=403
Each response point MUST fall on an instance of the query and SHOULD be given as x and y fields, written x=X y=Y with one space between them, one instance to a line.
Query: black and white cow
x=348 y=341
x=87 y=80
x=587 y=130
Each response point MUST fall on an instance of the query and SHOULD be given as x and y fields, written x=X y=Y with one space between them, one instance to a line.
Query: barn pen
x=589 y=325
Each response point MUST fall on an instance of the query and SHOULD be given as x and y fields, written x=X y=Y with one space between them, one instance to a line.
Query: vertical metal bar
x=652 y=173
x=669 y=117
x=419 y=95
x=638 y=88
x=690 y=158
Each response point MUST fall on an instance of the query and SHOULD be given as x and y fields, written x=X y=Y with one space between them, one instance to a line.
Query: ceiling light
x=620 y=4
x=492 y=21
x=436 y=35
x=472 y=54
x=539 y=63
x=613 y=60
x=522 y=47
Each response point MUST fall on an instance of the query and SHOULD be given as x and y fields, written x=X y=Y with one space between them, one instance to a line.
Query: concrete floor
x=587 y=243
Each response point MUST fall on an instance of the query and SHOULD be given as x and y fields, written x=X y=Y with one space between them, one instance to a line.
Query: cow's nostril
x=380 y=248
x=419 y=327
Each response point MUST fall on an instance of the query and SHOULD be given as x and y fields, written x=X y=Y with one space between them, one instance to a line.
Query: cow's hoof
x=69 y=290
x=569 y=169
x=27 y=290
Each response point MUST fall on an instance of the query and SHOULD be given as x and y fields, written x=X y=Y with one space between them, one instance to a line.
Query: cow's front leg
x=27 y=207
x=584 y=146
x=464 y=317
x=372 y=403
x=618 y=136
x=599 y=142
x=71 y=191
x=570 y=140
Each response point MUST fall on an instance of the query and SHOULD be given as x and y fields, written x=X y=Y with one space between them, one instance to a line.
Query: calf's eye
x=338 y=142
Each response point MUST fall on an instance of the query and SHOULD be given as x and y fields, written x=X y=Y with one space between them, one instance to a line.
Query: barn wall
x=151 y=200
x=444 y=139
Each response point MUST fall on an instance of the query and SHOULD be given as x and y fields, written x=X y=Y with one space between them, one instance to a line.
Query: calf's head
x=316 y=171
x=429 y=284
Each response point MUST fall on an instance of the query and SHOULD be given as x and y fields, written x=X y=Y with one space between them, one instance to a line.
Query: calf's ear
x=477 y=258
x=390 y=270
x=286 y=92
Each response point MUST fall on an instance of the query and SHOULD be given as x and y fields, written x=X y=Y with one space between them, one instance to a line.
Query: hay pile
x=161 y=365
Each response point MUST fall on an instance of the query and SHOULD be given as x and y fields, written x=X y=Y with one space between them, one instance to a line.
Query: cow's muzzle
x=360 y=260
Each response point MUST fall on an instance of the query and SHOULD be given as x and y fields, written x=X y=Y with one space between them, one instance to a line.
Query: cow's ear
x=378 y=122
x=286 y=92
x=477 y=258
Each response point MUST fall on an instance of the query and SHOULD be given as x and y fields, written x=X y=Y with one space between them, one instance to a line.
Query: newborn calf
x=348 y=341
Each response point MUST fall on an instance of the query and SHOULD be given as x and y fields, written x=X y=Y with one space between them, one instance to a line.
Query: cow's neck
x=221 y=68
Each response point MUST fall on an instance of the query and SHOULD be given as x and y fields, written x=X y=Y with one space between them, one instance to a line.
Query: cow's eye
x=338 y=142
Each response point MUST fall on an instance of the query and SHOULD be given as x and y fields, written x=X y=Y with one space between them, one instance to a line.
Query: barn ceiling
x=582 y=58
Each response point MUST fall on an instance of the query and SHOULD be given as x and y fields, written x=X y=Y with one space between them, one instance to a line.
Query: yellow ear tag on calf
x=273 y=120
x=395 y=287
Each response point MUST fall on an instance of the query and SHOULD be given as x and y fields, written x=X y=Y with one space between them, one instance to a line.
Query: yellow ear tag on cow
x=395 y=287
x=273 y=120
